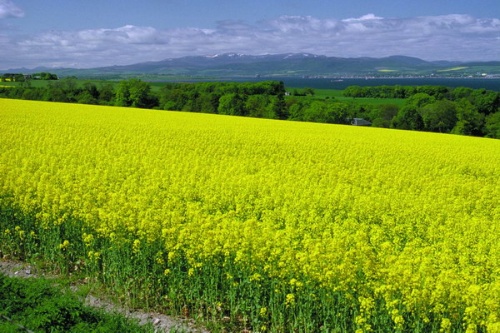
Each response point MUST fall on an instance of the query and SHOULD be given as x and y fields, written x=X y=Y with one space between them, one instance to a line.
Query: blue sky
x=91 y=33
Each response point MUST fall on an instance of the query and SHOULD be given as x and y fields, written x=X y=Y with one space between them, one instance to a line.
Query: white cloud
x=128 y=34
x=366 y=17
x=302 y=24
x=448 y=37
x=9 y=9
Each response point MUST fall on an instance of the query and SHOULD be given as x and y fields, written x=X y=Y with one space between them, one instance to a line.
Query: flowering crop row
x=274 y=226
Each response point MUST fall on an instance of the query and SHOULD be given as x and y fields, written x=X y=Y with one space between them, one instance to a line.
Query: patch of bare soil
x=161 y=323
x=15 y=269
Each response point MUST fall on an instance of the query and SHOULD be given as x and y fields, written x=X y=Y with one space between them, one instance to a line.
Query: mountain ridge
x=284 y=64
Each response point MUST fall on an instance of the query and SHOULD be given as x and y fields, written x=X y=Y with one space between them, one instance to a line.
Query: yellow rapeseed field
x=264 y=225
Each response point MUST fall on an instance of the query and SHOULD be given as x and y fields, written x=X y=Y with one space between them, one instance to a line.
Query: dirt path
x=161 y=323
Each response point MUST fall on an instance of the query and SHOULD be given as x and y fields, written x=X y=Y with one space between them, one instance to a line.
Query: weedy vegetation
x=39 y=305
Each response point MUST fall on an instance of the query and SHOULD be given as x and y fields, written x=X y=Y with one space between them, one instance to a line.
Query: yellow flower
x=64 y=245
x=290 y=299
x=409 y=220
x=136 y=246
x=445 y=325
x=256 y=277
x=88 y=239
x=171 y=255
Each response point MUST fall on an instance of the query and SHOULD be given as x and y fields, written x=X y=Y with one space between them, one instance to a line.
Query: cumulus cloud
x=9 y=9
x=448 y=37
x=366 y=17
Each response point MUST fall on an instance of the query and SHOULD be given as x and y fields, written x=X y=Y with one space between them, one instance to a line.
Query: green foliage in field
x=468 y=111
x=439 y=109
x=37 y=305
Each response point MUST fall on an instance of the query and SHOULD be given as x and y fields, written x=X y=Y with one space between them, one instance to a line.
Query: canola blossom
x=275 y=226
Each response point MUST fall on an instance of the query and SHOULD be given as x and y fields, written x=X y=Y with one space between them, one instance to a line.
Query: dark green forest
x=464 y=111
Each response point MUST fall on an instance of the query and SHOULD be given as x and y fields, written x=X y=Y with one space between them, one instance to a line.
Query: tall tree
x=440 y=116
x=492 y=126
x=469 y=120
x=232 y=104
x=106 y=94
x=135 y=93
x=408 y=118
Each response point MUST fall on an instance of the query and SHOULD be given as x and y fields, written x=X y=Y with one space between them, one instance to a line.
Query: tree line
x=396 y=91
x=461 y=110
x=458 y=110
x=264 y=99
x=19 y=77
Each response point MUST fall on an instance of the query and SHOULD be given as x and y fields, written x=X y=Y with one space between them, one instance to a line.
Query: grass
x=41 y=305
x=338 y=96
x=156 y=86
x=458 y=68
x=34 y=83
x=387 y=70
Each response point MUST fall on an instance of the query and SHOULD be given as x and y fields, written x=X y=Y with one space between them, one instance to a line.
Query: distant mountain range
x=294 y=64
